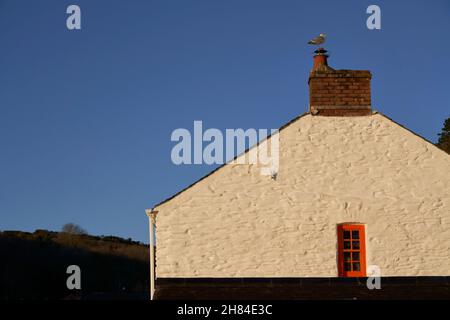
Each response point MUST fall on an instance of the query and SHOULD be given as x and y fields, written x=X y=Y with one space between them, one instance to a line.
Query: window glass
x=351 y=255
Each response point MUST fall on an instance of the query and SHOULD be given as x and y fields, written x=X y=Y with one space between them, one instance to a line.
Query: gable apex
x=316 y=121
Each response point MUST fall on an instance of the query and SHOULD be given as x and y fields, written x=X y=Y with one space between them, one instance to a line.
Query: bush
x=72 y=228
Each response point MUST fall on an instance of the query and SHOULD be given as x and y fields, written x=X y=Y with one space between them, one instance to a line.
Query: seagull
x=318 y=40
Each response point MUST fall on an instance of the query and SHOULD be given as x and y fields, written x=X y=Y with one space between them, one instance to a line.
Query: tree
x=73 y=228
x=444 y=137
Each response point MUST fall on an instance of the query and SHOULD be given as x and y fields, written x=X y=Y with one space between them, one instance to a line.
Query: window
x=351 y=250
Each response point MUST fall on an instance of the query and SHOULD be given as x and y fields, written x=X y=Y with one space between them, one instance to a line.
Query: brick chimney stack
x=338 y=92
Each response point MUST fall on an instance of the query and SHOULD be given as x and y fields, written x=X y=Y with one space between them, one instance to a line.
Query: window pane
x=355 y=234
x=355 y=245
x=346 y=234
x=347 y=266
x=356 y=266
x=355 y=256
x=347 y=245
x=347 y=256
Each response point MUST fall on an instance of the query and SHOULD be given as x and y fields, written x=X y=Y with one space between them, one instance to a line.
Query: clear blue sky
x=86 y=116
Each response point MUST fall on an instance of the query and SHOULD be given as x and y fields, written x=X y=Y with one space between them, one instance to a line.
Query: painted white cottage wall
x=239 y=223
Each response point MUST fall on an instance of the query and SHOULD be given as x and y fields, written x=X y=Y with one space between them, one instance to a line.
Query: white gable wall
x=239 y=223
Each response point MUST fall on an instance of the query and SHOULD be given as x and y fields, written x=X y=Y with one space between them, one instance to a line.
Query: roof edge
x=226 y=163
x=410 y=131
x=268 y=136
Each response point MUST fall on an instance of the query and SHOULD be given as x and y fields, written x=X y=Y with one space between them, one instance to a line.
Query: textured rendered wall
x=238 y=223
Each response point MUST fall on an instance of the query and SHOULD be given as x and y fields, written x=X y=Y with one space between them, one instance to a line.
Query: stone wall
x=370 y=170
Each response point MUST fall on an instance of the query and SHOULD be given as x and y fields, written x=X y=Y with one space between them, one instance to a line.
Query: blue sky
x=86 y=116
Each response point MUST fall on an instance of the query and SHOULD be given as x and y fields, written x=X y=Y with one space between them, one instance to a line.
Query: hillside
x=33 y=266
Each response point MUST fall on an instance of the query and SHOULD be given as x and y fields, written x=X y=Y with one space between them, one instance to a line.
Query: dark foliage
x=444 y=137
x=73 y=228
x=33 y=265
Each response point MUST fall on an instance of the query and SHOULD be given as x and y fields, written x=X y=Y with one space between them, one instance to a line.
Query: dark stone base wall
x=301 y=288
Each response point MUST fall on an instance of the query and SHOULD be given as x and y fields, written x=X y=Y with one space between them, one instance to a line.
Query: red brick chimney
x=338 y=92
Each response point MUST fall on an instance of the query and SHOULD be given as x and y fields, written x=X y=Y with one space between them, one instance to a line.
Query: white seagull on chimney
x=318 y=40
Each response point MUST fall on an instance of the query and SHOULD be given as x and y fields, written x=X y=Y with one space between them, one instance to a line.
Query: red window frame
x=351 y=250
